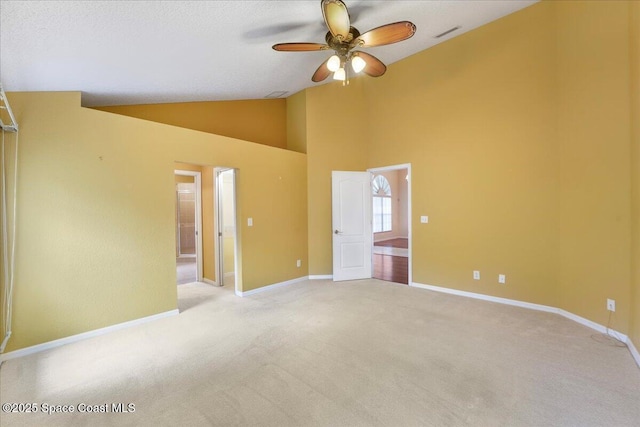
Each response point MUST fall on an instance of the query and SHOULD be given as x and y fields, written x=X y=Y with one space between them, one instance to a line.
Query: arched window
x=381 y=204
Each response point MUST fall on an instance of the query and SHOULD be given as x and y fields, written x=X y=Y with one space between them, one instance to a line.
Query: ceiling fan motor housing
x=343 y=39
x=340 y=44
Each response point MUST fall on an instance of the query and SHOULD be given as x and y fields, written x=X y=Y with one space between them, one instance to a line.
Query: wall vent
x=277 y=94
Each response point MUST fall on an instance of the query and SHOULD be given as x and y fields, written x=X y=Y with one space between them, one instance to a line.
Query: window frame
x=381 y=192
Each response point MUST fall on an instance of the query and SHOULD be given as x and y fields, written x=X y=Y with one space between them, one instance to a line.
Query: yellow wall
x=96 y=232
x=475 y=118
x=336 y=140
x=258 y=120
x=594 y=151
x=182 y=179
x=297 y=122
x=519 y=134
x=519 y=138
x=634 y=38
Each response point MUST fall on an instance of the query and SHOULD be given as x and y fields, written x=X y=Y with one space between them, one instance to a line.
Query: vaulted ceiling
x=138 y=52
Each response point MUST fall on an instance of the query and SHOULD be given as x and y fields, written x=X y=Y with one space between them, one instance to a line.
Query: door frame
x=406 y=166
x=219 y=231
x=198 y=182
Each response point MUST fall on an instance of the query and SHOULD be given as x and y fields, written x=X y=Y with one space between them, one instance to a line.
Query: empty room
x=320 y=213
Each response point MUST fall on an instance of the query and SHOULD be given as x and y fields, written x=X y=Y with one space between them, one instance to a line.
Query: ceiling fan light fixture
x=358 y=64
x=333 y=63
x=342 y=38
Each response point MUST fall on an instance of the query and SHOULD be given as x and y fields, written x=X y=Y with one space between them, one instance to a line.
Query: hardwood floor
x=394 y=243
x=392 y=268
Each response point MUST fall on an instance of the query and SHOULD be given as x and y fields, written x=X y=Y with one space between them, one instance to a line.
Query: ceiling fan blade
x=374 y=67
x=299 y=47
x=336 y=16
x=321 y=73
x=386 y=34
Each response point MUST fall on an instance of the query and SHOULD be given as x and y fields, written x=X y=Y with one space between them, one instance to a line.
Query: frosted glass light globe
x=333 y=63
x=358 y=64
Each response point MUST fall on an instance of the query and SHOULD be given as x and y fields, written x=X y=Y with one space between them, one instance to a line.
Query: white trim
x=593 y=325
x=321 y=277
x=237 y=279
x=409 y=227
x=390 y=168
x=209 y=282
x=574 y=317
x=85 y=335
x=270 y=287
x=486 y=297
x=216 y=227
x=634 y=351
x=219 y=229
x=230 y=274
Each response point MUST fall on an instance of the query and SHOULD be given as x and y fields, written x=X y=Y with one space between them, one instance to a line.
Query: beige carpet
x=186 y=270
x=348 y=354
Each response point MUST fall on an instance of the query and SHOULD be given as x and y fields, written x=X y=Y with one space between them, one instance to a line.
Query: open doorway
x=227 y=248
x=188 y=192
x=391 y=195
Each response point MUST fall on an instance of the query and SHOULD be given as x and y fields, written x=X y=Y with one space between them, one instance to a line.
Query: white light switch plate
x=250 y=222
x=424 y=219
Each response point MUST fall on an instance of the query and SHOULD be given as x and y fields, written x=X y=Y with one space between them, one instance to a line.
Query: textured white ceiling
x=138 y=52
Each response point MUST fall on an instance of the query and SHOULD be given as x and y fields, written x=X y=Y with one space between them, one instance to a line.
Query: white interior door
x=352 y=236
x=226 y=227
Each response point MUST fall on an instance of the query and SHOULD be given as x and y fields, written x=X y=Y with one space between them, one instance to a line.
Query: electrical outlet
x=298 y=263
x=476 y=275
x=611 y=304
x=502 y=278
x=424 y=219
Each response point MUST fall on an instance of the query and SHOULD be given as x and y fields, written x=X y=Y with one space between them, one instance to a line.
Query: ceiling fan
x=345 y=39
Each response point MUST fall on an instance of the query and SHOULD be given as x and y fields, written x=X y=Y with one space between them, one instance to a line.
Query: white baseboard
x=634 y=351
x=231 y=274
x=593 y=325
x=586 y=322
x=270 y=287
x=83 y=336
x=321 y=277
x=483 y=297
x=209 y=282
